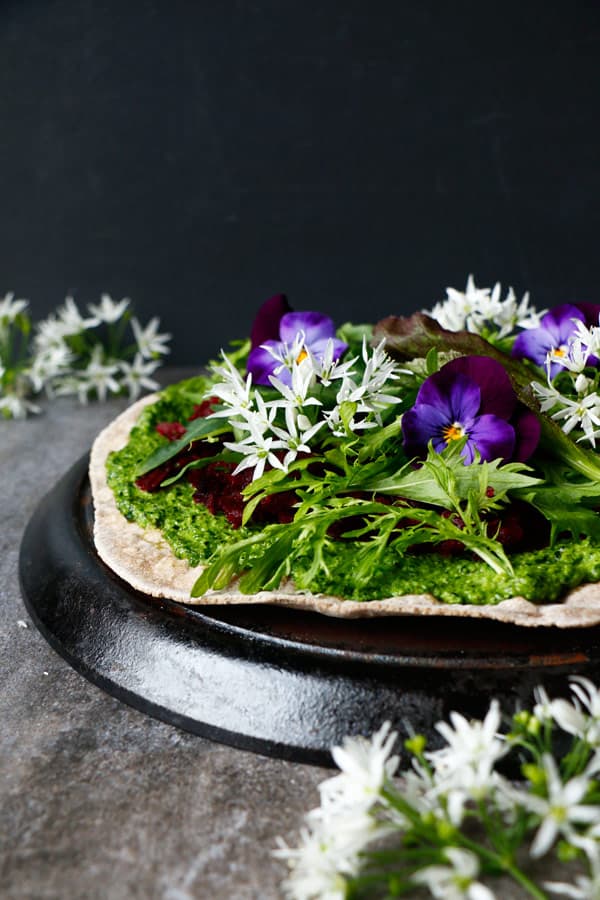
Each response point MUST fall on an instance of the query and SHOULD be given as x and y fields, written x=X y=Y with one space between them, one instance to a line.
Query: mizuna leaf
x=429 y=483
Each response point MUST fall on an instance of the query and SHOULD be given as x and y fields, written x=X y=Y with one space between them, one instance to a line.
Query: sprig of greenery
x=327 y=487
x=453 y=823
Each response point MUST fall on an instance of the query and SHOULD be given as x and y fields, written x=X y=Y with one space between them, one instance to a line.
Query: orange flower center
x=302 y=355
x=453 y=432
x=560 y=351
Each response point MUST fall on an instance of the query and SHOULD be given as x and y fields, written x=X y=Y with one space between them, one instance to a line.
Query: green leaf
x=373 y=441
x=226 y=564
x=353 y=334
x=432 y=361
x=199 y=464
x=442 y=472
x=347 y=412
x=196 y=429
x=268 y=572
x=564 y=505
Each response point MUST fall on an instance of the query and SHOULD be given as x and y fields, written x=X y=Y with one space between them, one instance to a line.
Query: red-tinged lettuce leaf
x=417 y=335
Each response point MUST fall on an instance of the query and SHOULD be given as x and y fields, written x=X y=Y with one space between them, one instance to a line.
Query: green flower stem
x=526 y=882
x=520 y=741
x=576 y=759
x=498 y=862
x=129 y=351
x=427 y=854
x=492 y=828
x=504 y=864
x=397 y=885
x=397 y=802
x=5 y=349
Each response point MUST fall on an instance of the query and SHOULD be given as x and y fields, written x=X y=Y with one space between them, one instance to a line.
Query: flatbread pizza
x=334 y=406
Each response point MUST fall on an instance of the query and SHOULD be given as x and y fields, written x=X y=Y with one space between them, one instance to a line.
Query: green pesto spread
x=194 y=534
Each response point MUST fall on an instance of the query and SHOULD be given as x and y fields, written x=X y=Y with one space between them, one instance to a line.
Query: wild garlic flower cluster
x=483 y=311
x=452 y=822
x=309 y=395
x=348 y=820
x=70 y=353
x=564 y=343
x=573 y=399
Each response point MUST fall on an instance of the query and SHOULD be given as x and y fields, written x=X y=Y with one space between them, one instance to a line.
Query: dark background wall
x=200 y=156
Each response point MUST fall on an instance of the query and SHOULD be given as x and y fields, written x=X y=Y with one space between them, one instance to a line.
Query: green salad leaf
x=196 y=430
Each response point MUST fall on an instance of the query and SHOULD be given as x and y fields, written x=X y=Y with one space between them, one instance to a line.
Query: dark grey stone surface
x=96 y=799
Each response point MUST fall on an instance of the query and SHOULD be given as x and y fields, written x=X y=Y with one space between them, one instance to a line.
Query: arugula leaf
x=195 y=430
x=373 y=441
x=272 y=567
x=237 y=353
x=199 y=464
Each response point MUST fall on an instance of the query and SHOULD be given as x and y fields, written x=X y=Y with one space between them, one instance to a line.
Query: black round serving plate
x=278 y=681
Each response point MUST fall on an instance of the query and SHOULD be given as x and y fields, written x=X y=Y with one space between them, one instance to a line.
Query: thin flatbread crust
x=143 y=559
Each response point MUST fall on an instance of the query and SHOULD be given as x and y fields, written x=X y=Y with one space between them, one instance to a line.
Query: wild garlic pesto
x=195 y=534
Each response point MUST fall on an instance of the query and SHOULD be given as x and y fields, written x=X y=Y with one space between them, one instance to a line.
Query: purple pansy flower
x=591 y=311
x=471 y=397
x=555 y=330
x=277 y=331
x=266 y=322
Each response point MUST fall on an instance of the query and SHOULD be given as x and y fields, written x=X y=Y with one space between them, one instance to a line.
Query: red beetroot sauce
x=220 y=491
x=214 y=484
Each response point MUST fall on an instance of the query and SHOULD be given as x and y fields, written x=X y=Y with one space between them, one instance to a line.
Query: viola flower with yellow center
x=281 y=338
x=551 y=340
x=471 y=397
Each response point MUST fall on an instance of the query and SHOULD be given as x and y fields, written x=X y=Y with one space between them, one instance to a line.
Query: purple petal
x=465 y=399
x=421 y=424
x=261 y=363
x=556 y=327
x=493 y=437
x=468 y=452
x=266 y=323
x=559 y=322
x=591 y=312
x=533 y=344
x=497 y=395
x=459 y=397
x=314 y=325
x=433 y=392
x=527 y=433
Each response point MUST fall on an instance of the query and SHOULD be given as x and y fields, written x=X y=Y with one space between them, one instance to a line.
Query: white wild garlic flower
x=480 y=310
